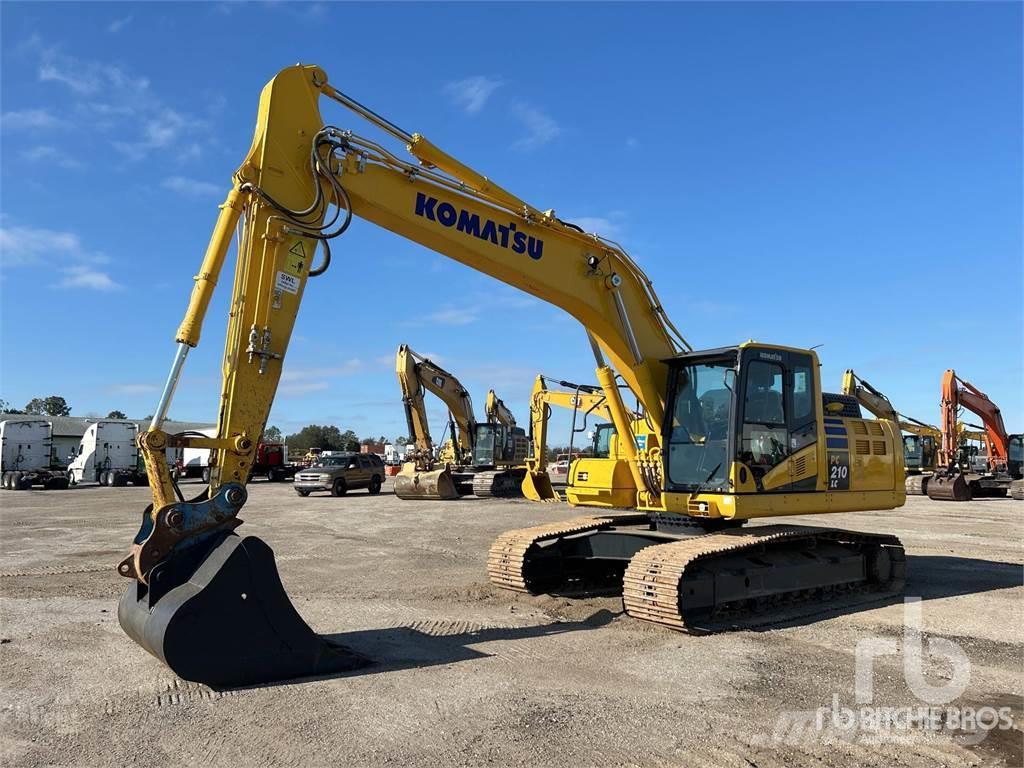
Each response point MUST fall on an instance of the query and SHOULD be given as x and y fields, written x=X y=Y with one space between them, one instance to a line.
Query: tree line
x=54 y=405
x=326 y=437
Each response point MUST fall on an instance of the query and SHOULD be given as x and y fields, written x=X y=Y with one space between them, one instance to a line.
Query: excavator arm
x=869 y=397
x=958 y=393
x=417 y=374
x=578 y=397
x=956 y=483
x=497 y=412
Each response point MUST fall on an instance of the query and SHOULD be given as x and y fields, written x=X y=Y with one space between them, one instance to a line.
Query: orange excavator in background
x=954 y=481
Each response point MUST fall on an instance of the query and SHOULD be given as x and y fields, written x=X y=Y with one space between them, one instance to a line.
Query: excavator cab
x=496 y=444
x=745 y=425
x=736 y=416
x=601 y=444
x=1015 y=457
x=919 y=452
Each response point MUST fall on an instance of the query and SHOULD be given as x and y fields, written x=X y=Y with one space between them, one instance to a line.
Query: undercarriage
x=700 y=578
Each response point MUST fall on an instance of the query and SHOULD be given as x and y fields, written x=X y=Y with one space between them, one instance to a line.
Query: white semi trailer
x=108 y=455
x=25 y=456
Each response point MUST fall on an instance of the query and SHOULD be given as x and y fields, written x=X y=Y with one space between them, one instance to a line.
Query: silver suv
x=341 y=472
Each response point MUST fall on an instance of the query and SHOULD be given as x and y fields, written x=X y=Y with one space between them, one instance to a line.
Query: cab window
x=765 y=436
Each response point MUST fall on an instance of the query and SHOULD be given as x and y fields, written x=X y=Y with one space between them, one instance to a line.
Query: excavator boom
x=581 y=399
x=956 y=483
x=745 y=431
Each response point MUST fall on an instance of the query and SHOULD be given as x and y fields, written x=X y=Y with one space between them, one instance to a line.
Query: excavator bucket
x=436 y=484
x=224 y=619
x=949 y=487
x=537 y=487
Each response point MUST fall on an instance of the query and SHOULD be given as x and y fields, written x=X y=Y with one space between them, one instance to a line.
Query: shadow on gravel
x=404 y=647
x=935 y=576
x=929 y=577
x=396 y=648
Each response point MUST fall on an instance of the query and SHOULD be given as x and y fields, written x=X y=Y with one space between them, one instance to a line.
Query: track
x=501 y=483
x=507 y=561
x=786 y=571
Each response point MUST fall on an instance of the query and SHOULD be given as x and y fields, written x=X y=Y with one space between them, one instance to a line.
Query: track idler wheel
x=226 y=620
x=949 y=487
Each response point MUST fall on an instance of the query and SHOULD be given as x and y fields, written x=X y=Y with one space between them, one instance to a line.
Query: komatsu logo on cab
x=502 y=235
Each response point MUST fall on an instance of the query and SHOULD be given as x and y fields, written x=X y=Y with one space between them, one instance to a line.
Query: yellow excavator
x=500 y=449
x=424 y=475
x=582 y=399
x=745 y=431
x=920 y=445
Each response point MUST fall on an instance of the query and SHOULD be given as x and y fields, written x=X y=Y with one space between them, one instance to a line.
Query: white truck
x=194 y=462
x=108 y=455
x=25 y=456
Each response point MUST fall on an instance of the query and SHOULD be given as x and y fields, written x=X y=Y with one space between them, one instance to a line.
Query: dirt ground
x=468 y=675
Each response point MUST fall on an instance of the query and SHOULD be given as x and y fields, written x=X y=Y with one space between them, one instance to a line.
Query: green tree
x=349 y=441
x=48 y=406
x=328 y=438
x=116 y=415
x=272 y=434
x=5 y=407
x=401 y=440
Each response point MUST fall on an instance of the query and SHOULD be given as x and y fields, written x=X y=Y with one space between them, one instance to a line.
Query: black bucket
x=224 y=619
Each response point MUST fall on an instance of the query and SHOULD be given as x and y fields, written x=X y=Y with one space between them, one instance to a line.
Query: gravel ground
x=467 y=675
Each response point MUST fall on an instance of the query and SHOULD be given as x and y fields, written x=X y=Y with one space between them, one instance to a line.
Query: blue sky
x=844 y=175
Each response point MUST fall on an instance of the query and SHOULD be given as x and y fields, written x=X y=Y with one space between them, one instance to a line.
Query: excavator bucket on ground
x=435 y=484
x=224 y=619
x=951 y=486
x=537 y=487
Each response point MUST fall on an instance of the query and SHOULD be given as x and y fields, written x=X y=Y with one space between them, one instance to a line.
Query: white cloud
x=82 y=276
x=134 y=389
x=472 y=93
x=609 y=226
x=51 y=155
x=118 y=24
x=191 y=187
x=108 y=99
x=455 y=316
x=302 y=387
x=28 y=119
x=56 y=252
x=22 y=246
x=540 y=128
x=82 y=83
x=299 y=381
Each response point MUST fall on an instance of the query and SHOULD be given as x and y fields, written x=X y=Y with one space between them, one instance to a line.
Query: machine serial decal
x=468 y=223
x=838 y=471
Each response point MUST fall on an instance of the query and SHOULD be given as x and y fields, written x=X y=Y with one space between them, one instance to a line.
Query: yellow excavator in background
x=746 y=431
x=500 y=449
x=920 y=446
x=425 y=475
x=580 y=398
